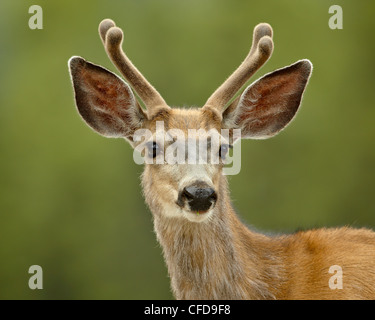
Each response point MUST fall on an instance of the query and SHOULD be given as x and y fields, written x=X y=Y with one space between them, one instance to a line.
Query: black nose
x=200 y=198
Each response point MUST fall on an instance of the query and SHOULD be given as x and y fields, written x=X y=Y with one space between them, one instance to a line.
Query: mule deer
x=209 y=252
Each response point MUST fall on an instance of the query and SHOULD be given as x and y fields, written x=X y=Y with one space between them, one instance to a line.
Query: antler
x=261 y=50
x=112 y=37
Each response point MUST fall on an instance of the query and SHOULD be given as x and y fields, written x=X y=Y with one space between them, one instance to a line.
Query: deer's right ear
x=105 y=102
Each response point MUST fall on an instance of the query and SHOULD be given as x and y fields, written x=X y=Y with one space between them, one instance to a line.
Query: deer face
x=185 y=154
x=177 y=182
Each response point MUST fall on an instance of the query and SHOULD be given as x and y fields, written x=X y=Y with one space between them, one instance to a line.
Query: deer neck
x=215 y=259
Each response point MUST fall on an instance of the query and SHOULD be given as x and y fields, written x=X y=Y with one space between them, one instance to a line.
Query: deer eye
x=223 y=151
x=153 y=149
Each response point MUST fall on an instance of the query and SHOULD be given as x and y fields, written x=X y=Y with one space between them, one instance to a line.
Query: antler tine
x=104 y=26
x=112 y=37
x=261 y=50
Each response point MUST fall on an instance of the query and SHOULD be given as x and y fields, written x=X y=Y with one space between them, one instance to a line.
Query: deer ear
x=104 y=101
x=268 y=105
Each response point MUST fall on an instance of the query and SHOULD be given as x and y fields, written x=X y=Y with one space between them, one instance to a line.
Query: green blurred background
x=70 y=200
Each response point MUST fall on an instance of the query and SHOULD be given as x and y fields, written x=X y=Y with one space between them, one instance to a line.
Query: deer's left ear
x=268 y=105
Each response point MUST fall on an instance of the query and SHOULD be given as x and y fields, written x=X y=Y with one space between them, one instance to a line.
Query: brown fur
x=223 y=259
x=214 y=255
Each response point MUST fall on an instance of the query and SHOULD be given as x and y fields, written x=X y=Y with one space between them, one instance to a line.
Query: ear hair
x=269 y=104
x=105 y=102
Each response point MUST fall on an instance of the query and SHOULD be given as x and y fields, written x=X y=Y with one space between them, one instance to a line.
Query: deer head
x=186 y=191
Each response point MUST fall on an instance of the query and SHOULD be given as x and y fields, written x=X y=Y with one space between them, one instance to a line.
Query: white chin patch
x=197 y=217
x=173 y=211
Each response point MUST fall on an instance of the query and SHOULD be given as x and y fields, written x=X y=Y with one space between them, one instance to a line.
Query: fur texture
x=222 y=259
x=213 y=255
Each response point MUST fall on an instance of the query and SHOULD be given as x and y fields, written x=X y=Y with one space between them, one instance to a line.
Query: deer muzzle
x=199 y=197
